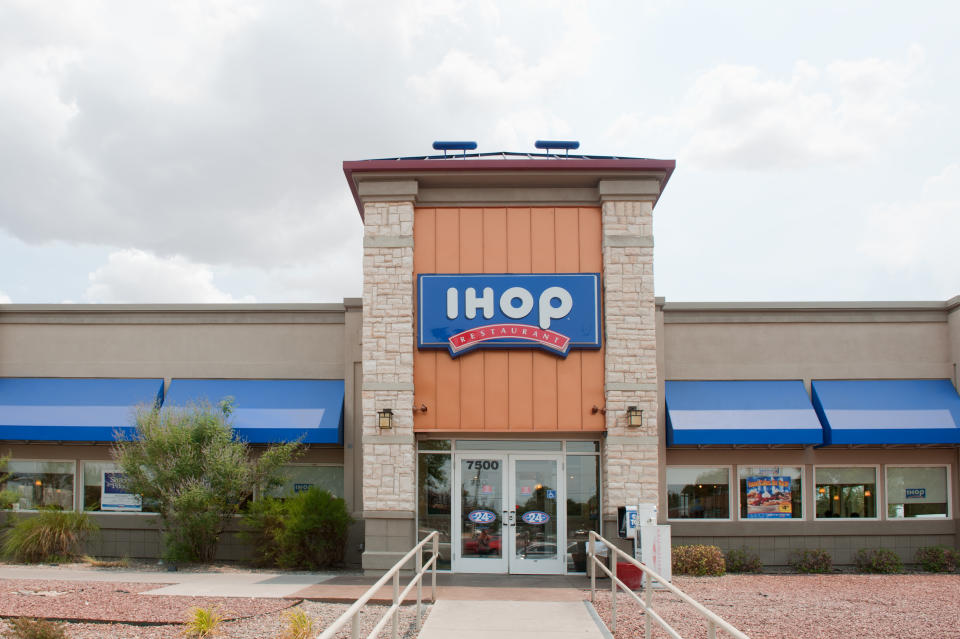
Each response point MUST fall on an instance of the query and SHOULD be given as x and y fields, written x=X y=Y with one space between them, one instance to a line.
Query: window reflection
x=433 y=501
x=698 y=493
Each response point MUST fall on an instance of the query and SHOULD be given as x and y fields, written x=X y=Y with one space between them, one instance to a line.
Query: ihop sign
x=551 y=311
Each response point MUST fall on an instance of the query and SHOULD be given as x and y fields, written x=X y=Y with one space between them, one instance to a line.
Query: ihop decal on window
x=554 y=312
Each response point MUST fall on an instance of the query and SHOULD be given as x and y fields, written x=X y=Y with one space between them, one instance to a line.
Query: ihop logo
x=482 y=517
x=554 y=312
x=535 y=517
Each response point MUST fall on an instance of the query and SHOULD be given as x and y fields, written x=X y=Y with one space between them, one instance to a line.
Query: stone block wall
x=630 y=454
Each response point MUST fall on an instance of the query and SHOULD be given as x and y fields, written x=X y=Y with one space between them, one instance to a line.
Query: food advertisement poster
x=769 y=498
x=114 y=498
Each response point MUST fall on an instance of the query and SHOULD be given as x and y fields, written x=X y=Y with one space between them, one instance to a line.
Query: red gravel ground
x=98 y=601
x=804 y=606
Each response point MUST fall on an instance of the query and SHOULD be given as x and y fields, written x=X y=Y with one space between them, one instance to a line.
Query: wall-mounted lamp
x=385 y=418
x=634 y=416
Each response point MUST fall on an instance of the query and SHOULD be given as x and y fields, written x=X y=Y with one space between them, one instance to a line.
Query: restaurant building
x=510 y=379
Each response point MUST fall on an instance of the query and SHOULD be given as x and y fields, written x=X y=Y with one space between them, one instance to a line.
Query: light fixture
x=867 y=493
x=821 y=490
x=836 y=497
x=385 y=418
x=634 y=416
x=38 y=483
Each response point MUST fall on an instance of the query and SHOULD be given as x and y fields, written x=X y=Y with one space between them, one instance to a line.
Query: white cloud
x=735 y=116
x=917 y=239
x=4 y=299
x=135 y=276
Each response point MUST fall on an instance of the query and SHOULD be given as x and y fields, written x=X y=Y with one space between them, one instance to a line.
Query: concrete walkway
x=192 y=584
x=508 y=619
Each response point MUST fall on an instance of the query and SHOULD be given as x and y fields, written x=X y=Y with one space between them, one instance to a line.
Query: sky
x=192 y=151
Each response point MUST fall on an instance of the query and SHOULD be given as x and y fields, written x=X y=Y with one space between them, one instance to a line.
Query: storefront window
x=771 y=492
x=846 y=492
x=94 y=474
x=40 y=484
x=301 y=478
x=583 y=507
x=914 y=491
x=698 y=493
x=434 y=474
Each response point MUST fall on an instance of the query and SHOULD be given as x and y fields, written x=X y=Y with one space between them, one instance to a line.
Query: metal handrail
x=713 y=620
x=353 y=612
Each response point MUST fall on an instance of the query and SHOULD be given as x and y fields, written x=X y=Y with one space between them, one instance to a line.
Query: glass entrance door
x=535 y=531
x=509 y=514
x=479 y=512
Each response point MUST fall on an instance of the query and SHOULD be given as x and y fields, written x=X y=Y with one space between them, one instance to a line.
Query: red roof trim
x=451 y=164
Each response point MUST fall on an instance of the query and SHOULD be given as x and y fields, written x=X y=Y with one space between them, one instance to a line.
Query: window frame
x=803 y=496
x=949 y=495
x=259 y=493
x=730 y=510
x=879 y=499
x=81 y=463
x=73 y=501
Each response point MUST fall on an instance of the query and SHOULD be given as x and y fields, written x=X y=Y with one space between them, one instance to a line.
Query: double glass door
x=509 y=513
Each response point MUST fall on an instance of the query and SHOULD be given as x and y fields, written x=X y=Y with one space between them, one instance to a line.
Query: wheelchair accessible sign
x=554 y=312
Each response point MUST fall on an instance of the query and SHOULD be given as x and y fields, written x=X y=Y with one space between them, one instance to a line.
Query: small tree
x=188 y=461
x=7 y=497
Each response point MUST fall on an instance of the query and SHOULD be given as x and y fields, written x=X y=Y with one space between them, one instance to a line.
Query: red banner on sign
x=550 y=339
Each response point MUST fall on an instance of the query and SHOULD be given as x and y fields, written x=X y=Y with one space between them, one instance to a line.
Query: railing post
x=396 y=602
x=613 y=589
x=355 y=626
x=711 y=630
x=591 y=555
x=648 y=595
x=436 y=560
x=419 y=579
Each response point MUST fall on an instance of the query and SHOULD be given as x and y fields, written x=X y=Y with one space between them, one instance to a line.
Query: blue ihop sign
x=552 y=311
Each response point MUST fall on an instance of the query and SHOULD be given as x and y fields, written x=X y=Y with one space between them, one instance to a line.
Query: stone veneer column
x=630 y=455
x=389 y=456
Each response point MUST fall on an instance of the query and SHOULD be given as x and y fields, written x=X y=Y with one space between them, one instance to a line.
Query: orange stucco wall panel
x=515 y=391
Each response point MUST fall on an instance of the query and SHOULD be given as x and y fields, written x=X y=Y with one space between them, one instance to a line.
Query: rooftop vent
x=566 y=145
x=451 y=145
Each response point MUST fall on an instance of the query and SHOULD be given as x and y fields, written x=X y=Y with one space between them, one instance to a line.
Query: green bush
x=698 y=561
x=937 y=558
x=307 y=530
x=26 y=628
x=743 y=561
x=188 y=461
x=49 y=536
x=878 y=560
x=811 y=561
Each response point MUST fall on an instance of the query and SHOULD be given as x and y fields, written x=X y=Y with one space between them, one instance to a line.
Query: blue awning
x=267 y=411
x=888 y=411
x=72 y=410
x=729 y=413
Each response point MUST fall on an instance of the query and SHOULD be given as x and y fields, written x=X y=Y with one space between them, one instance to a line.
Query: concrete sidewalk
x=192 y=584
x=508 y=619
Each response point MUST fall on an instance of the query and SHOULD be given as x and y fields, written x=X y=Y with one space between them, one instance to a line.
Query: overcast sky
x=191 y=151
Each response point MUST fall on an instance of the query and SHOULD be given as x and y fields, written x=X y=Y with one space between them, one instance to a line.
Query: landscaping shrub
x=698 y=561
x=307 y=530
x=49 y=536
x=811 y=561
x=743 y=561
x=937 y=558
x=26 y=628
x=299 y=625
x=878 y=560
x=199 y=474
x=203 y=623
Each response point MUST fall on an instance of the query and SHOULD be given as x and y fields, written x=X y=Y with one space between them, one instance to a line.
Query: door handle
x=506 y=518
x=513 y=517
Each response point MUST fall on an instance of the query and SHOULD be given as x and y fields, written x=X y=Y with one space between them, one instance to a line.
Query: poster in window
x=114 y=498
x=769 y=498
